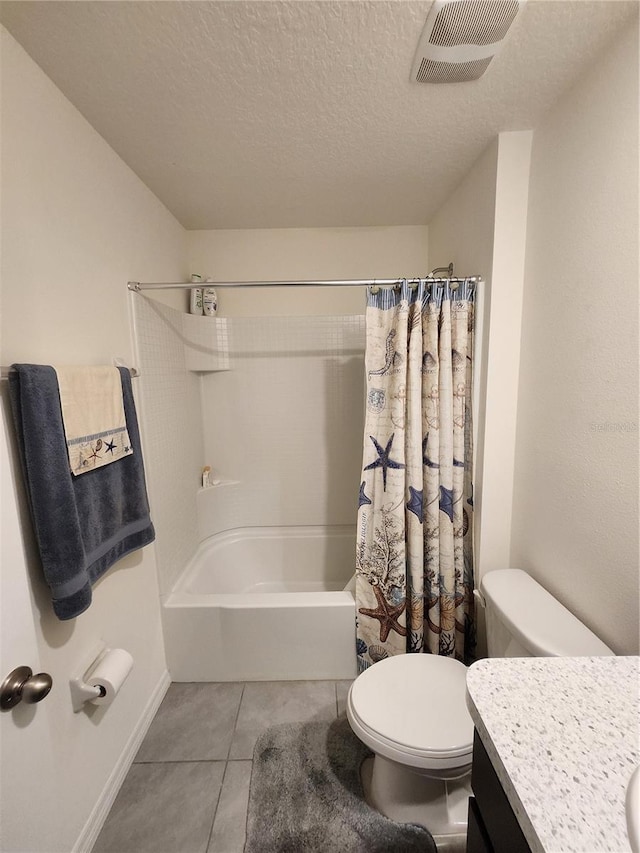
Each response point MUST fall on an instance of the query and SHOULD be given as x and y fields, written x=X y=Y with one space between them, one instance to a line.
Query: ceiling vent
x=461 y=37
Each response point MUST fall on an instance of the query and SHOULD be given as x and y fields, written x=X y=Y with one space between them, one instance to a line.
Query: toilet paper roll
x=110 y=674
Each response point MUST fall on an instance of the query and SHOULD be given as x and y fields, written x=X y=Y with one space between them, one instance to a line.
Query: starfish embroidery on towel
x=110 y=446
x=94 y=450
x=383 y=461
x=387 y=615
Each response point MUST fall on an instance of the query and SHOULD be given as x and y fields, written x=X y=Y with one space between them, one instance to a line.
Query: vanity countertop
x=562 y=734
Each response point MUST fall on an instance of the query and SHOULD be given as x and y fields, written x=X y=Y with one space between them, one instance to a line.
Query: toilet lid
x=417 y=701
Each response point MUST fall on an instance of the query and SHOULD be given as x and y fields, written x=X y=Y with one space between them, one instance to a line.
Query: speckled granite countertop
x=563 y=736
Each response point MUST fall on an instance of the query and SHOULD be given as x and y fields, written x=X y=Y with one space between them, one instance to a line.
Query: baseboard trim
x=92 y=827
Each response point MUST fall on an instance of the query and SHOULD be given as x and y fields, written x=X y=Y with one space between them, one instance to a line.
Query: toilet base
x=408 y=796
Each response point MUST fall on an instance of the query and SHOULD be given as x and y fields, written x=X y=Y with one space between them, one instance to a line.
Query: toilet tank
x=524 y=620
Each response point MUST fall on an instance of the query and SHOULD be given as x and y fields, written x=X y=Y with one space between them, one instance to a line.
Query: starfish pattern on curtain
x=414 y=556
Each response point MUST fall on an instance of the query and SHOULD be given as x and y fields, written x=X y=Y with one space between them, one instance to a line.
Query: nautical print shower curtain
x=414 y=556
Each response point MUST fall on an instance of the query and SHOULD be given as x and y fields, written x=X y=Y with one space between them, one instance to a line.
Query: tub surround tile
x=562 y=736
x=171 y=421
x=229 y=828
x=195 y=722
x=163 y=807
x=265 y=704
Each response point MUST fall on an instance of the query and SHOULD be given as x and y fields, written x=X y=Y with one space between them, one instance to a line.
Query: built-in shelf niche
x=218 y=507
x=206 y=343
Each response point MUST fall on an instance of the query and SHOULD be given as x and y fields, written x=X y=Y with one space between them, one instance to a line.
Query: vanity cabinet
x=493 y=827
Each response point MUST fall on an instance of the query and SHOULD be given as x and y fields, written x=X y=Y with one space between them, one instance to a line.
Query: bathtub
x=264 y=604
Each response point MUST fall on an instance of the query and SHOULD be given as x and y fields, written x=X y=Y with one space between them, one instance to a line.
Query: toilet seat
x=412 y=709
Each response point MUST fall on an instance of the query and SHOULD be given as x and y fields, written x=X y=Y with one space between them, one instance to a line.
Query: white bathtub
x=264 y=604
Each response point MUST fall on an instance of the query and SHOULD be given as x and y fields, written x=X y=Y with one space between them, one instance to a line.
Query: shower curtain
x=414 y=555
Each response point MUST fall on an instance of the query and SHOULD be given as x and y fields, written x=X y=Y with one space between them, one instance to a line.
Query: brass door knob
x=22 y=684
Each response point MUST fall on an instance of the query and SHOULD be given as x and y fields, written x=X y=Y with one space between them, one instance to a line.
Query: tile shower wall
x=283 y=427
x=273 y=404
x=172 y=428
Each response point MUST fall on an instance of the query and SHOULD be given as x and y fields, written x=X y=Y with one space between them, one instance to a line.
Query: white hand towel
x=93 y=416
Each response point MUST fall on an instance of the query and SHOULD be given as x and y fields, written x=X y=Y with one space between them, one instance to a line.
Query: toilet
x=410 y=710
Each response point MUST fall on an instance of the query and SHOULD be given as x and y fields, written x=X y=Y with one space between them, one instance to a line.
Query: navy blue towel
x=83 y=525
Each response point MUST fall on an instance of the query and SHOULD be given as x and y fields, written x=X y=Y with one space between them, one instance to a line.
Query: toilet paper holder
x=81 y=691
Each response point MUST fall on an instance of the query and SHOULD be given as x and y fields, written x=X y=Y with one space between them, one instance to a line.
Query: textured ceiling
x=290 y=114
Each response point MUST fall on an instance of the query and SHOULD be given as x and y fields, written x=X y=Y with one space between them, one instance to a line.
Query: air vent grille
x=473 y=22
x=431 y=71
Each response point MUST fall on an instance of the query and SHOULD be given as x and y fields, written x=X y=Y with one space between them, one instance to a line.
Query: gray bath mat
x=306 y=796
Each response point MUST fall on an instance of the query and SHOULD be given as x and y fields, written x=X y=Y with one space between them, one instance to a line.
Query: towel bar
x=4 y=372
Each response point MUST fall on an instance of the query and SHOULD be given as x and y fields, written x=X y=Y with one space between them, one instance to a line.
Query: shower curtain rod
x=137 y=286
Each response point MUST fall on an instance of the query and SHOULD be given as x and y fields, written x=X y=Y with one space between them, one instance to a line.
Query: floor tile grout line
x=226 y=767
x=246 y=811
x=235 y=722
x=183 y=761
x=215 y=810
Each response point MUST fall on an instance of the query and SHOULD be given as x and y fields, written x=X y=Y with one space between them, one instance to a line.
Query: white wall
x=462 y=229
x=575 y=511
x=286 y=254
x=482 y=228
x=463 y=232
x=77 y=224
x=502 y=356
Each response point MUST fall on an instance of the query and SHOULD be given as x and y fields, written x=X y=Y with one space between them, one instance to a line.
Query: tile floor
x=188 y=788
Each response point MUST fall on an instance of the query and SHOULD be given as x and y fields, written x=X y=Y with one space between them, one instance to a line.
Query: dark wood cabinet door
x=477 y=837
x=493 y=812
